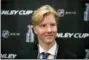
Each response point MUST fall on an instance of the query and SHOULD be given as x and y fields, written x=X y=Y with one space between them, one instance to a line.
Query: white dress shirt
x=52 y=51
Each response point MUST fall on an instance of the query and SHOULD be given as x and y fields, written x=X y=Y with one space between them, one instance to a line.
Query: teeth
x=49 y=35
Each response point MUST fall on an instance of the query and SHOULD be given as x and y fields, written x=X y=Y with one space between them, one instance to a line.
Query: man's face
x=47 y=29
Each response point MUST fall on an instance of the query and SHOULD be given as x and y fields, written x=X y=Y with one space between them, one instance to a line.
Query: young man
x=44 y=22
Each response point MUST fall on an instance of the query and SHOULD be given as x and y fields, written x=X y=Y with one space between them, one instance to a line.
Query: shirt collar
x=51 y=51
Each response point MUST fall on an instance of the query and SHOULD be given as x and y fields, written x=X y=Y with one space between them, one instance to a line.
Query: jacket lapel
x=35 y=51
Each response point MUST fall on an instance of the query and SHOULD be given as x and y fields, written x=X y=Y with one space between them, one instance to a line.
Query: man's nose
x=49 y=29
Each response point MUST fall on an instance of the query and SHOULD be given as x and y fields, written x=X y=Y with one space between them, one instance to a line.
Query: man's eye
x=53 y=24
x=43 y=25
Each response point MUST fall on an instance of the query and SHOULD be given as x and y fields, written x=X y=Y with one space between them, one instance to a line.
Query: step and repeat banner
x=16 y=26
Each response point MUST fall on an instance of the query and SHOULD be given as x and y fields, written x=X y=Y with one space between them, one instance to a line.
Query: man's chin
x=49 y=41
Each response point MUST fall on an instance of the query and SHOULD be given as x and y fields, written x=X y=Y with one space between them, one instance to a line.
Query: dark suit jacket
x=32 y=52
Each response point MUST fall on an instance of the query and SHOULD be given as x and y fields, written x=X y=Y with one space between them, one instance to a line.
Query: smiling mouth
x=49 y=36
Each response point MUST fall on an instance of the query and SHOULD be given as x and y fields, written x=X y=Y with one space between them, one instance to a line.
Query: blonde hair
x=39 y=14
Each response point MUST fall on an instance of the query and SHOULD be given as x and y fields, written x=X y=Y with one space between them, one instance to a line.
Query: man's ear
x=35 y=30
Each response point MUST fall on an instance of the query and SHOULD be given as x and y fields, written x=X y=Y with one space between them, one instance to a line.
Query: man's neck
x=47 y=46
